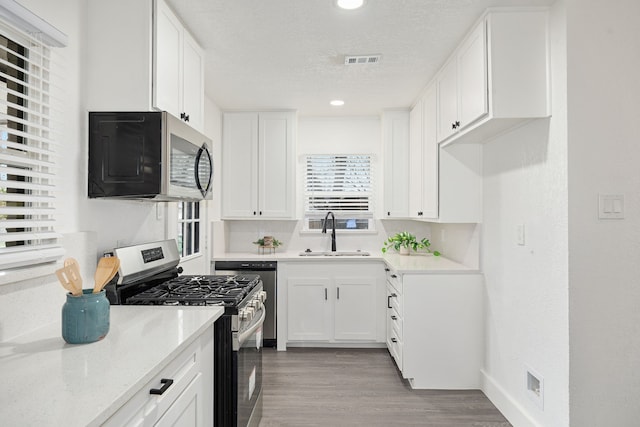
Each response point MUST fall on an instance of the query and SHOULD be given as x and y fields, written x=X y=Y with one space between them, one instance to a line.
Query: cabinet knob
x=184 y=116
x=254 y=212
x=260 y=213
x=394 y=318
x=394 y=340
x=388 y=213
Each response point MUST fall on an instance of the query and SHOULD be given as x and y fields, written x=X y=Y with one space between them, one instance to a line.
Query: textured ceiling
x=270 y=54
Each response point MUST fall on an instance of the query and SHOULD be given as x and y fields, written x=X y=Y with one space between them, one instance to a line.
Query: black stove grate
x=228 y=291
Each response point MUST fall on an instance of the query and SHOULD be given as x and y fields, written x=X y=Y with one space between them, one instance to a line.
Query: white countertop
x=48 y=382
x=414 y=263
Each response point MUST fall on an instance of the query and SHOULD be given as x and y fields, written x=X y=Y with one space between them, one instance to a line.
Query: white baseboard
x=510 y=408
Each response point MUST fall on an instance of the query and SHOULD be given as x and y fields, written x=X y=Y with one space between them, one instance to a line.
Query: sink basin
x=336 y=253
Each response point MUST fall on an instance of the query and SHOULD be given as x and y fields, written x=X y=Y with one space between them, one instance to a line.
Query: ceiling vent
x=361 y=59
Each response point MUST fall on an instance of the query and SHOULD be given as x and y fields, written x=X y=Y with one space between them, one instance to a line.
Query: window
x=188 y=228
x=27 y=153
x=341 y=184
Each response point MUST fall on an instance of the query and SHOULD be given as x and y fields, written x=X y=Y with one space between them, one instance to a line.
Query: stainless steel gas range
x=149 y=275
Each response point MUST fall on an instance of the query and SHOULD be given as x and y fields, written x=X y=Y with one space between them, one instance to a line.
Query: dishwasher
x=267 y=270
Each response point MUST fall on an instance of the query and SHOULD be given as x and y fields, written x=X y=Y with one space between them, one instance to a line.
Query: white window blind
x=339 y=183
x=27 y=152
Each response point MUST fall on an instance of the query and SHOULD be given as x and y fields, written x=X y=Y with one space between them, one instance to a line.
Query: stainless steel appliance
x=147 y=155
x=149 y=275
x=267 y=270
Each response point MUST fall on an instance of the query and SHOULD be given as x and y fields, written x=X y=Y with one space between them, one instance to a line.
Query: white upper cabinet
x=498 y=77
x=178 y=69
x=258 y=165
x=149 y=61
x=395 y=127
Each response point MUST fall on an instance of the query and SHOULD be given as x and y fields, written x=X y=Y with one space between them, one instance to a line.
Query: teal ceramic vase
x=85 y=318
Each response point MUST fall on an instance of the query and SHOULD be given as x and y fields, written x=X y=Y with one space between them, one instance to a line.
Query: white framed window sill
x=21 y=274
x=340 y=232
x=191 y=257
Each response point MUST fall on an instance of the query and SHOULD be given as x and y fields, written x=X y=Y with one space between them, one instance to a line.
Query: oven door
x=248 y=343
x=189 y=162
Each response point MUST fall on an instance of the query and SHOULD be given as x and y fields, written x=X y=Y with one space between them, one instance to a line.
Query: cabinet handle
x=388 y=213
x=393 y=276
x=260 y=213
x=254 y=212
x=394 y=340
x=453 y=125
x=325 y=294
x=166 y=383
x=457 y=123
x=389 y=300
x=386 y=269
x=338 y=292
x=394 y=318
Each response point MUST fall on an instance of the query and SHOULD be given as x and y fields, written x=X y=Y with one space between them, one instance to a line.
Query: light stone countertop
x=47 y=382
x=418 y=263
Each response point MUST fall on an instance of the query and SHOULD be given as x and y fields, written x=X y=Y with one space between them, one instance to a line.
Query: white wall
x=603 y=43
x=525 y=182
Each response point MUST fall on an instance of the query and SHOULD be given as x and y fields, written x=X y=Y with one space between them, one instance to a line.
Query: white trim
x=29 y=22
x=515 y=413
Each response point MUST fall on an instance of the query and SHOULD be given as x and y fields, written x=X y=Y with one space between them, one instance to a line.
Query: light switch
x=520 y=234
x=611 y=206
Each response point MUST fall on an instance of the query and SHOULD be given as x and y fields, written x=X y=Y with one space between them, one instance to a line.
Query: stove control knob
x=249 y=311
x=242 y=314
x=263 y=296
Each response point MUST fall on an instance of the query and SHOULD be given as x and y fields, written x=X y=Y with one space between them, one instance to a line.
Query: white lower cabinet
x=334 y=302
x=434 y=328
x=181 y=394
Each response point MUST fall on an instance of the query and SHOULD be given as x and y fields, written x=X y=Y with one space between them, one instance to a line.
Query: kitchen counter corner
x=424 y=263
x=49 y=382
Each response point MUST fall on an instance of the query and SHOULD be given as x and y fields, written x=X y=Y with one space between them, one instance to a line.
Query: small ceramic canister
x=85 y=318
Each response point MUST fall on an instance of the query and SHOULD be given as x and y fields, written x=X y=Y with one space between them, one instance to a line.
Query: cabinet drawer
x=394 y=344
x=395 y=322
x=144 y=406
x=394 y=280
x=394 y=301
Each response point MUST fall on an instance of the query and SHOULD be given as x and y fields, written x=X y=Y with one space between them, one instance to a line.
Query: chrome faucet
x=333 y=229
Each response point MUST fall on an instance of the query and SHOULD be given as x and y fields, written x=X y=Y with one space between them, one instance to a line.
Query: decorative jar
x=85 y=318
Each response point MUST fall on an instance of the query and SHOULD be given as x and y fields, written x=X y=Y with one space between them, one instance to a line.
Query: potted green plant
x=403 y=242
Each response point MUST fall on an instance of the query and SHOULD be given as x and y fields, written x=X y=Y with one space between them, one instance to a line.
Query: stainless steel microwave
x=149 y=156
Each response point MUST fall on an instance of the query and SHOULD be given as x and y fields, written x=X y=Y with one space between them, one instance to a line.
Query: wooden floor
x=360 y=387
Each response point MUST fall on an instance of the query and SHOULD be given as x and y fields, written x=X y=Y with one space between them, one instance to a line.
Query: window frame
x=366 y=188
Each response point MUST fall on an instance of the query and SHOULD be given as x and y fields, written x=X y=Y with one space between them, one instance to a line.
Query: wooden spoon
x=63 y=277
x=107 y=268
x=72 y=270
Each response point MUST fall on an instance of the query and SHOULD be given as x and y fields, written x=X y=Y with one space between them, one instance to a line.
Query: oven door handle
x=243 y=336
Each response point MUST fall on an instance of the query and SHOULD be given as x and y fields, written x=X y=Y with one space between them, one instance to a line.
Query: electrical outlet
x=535 y=387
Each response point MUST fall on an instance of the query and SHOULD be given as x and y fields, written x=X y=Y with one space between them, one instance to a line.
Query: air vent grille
x=361 y=59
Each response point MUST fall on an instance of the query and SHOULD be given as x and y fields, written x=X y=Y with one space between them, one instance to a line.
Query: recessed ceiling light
x=349 y=4
x=337 y=103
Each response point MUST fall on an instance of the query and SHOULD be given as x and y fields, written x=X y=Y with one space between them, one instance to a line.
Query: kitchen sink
x=336 y=253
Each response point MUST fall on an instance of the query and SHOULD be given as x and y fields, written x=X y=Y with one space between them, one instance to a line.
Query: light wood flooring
x=360 y=387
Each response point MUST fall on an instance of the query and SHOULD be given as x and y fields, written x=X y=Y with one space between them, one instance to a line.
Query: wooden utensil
x=107 y=268
x=72 y=268
x=65 y=276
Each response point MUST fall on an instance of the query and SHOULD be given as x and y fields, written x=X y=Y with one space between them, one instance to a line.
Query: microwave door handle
x=202 y=150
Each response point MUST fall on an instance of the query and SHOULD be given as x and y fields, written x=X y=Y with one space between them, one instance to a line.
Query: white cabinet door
x=309 y=309
x=429 y=155
x=415 y=160
x=396 y=126
x=168 y=60
x=276 y=184
x=187 y=409
x=239 y=165
x=193 y=82
x=447 y=83
x=355 y=308
x=472 y=77
x=258 y=165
